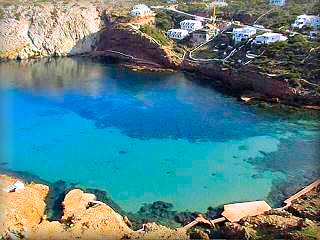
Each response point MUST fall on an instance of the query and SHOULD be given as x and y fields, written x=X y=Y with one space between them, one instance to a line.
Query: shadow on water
x=140 y=105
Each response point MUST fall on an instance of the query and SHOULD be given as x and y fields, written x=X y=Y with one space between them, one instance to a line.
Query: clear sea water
x=145 y=137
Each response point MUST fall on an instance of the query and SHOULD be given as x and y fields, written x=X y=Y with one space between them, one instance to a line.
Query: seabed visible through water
x=145 y=137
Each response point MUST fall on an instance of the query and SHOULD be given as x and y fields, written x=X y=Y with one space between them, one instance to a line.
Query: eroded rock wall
x=241 y=80
x=134 y=43
x=49 y=29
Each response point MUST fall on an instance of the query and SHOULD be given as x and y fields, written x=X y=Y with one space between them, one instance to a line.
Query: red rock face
x=244 y=80
x=138 y=45
x=248 y=81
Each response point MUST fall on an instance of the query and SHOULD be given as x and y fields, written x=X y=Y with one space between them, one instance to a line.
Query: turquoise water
x=146 y=137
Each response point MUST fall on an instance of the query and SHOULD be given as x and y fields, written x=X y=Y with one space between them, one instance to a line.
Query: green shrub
x=163 y=21
x=155 y=33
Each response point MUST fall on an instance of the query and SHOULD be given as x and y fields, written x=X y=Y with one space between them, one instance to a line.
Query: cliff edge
x=49 y=29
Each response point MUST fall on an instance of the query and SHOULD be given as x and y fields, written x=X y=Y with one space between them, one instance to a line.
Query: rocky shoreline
x=87 y=216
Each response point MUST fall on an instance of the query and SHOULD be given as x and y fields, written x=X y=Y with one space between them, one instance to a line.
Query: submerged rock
x=160 y=212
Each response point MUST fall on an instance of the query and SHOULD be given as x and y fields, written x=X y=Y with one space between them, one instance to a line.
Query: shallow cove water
x=145 y=137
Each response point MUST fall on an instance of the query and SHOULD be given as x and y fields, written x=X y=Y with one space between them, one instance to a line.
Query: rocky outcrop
x=308 y=206
x=23 y=209
x=22 y=216
x=275 y=225
x=49 y=29
x=247 y=81
x=299 y=221
x=141 y=47
x=240 y=81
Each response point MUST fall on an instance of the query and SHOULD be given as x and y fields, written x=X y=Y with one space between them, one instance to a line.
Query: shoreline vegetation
x=80 y=213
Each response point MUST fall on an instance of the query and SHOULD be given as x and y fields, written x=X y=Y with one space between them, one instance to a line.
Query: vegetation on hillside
x=163 y=21
x=296 y=59
x=153 y=32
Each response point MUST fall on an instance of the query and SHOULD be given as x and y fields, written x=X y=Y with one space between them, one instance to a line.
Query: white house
x=191 y=25
x=307 y=21
x=177 y=34
x=243 y=34
x=269 y=37
x=220 y=3
x=141 y=10
x=278 y=3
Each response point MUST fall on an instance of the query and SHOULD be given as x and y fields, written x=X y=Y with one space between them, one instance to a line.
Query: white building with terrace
x=141 y=10
x=279 y=3
x=177 y=34
x=243 y=34
x=269 y=37
x=307 y=21
x=191 y=25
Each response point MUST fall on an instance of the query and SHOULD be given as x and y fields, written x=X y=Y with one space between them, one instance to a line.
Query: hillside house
x=171 y=1
x=177 y=34
x=203 y=35
x=243 y=34
x=220 y=3
x=141 y=10
x=303 y=21
x=279 y=3
x=191 y=25
x=269 y=37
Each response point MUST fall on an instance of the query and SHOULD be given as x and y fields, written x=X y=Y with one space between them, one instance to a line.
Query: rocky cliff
x=72 y=28
x=249 y=82
x=143 y=48
x=43 y=29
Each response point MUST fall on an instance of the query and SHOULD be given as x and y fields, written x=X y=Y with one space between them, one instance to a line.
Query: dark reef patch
x=56 y=195
x=243 y=147
x=122 y=152
x=297 y=173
